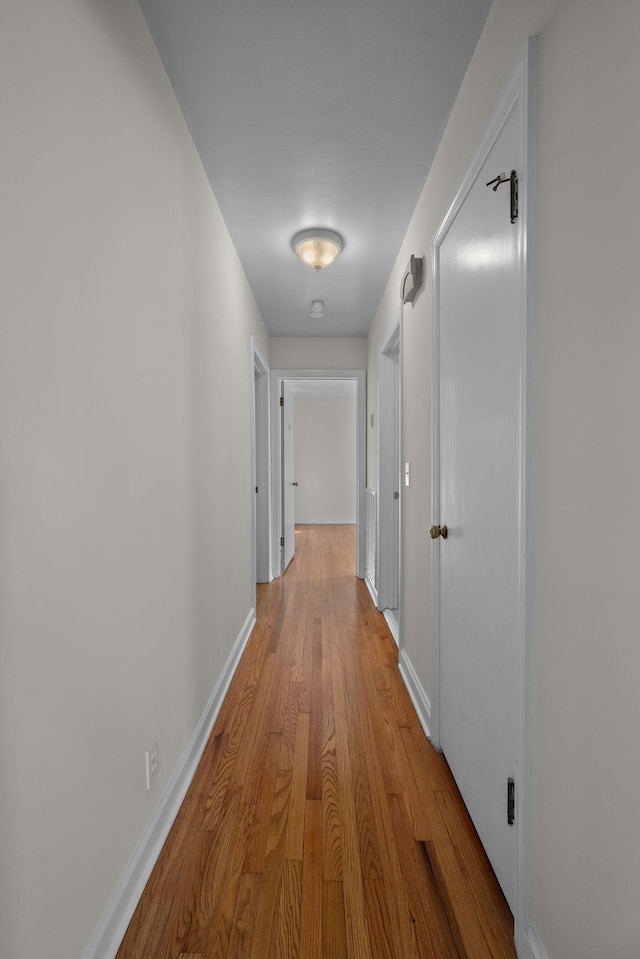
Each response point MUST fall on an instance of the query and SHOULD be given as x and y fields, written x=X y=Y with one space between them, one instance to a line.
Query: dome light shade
x=317 y=248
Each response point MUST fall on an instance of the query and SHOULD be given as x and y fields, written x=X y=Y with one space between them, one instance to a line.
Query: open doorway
x=261 y=498
x=318 y=431
x=389 y=478
x=304 y=383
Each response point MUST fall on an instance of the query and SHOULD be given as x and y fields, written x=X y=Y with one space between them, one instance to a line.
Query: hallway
x=320 y=822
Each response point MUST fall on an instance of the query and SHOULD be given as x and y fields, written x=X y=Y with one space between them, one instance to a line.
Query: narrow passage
x=320 y=824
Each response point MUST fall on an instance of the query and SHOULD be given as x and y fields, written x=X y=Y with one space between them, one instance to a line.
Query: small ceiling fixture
x=317 y=248
x=317 y=309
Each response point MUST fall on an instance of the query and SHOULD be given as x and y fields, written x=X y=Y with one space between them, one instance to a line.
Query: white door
x=255 y=461
x=480 y=359
x=388 y=578
x=394 y=603
x=261 y=473
x=288 y=483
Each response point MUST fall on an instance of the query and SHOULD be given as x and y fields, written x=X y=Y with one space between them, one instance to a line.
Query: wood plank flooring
x=320 y=823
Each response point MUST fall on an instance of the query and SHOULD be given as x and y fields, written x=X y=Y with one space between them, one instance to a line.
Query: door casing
x=359 y=376
x=521 y=87
x=260 y=473
x=287 y=441
x=389 y=446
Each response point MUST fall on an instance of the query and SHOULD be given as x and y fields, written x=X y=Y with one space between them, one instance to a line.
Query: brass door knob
x=436 y=531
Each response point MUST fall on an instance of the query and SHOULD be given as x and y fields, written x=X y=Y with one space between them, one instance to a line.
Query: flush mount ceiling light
x=317 y=248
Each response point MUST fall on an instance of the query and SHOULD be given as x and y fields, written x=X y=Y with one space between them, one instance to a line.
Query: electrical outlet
x=152 y=761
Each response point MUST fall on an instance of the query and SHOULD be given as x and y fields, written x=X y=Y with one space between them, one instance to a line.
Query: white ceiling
x=316 y=113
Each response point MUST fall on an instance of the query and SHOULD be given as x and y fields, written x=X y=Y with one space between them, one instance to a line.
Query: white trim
x=388 y=552
x=373 y=592
x=393 y=624
x=109 y=934
x=520 y=88
x=525 y=930
x=371 y=540
x=416 y=692
x=533 y=948
x=360 y=377
x=260 y=472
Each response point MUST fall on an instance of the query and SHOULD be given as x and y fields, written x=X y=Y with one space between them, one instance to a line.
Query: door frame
x=388 y=548
x=286 y=434
x=260 y=473
x=520 y=88
x=359 y=376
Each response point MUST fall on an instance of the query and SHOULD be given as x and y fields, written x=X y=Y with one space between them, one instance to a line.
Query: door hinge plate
x=511 y=801
x=282 y=401
x=282 y=540
x=512 y=180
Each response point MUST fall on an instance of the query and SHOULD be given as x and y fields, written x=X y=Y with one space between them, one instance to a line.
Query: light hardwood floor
x=320 y=824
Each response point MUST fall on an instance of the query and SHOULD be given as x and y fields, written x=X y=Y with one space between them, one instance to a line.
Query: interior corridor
x=320 y=822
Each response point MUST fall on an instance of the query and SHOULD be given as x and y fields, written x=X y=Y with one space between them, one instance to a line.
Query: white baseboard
x=393 y=624
x=416 y=691
x=532 y=947
x=110 y=932
x=373 y=592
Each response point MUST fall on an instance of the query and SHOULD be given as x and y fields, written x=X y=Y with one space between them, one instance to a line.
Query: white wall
x=125 y=561
x=587 y=659
x=314 y=353
x=325 y=459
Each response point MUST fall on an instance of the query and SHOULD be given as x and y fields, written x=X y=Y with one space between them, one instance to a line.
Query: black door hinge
x=282 y=401
x=282 y=540
x=511 y=801
x=512 y=180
